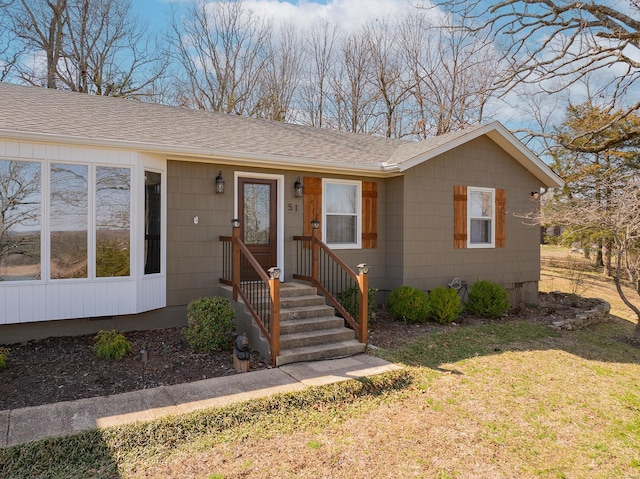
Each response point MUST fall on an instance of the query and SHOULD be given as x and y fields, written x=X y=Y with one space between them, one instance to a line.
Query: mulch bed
x=65 y=368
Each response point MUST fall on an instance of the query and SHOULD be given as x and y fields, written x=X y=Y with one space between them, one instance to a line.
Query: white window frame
x=492 y=218
x=358 y=184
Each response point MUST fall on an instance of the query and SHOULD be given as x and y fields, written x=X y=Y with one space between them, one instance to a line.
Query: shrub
x=350 y=300
x=111 y=345
x=408 y=303
x=4 y=353
x=487 y=299
x=444 y=305
x=210 y=324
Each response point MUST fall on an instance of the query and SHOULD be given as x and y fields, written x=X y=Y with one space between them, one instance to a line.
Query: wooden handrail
x=272 y=331
x=359 y=324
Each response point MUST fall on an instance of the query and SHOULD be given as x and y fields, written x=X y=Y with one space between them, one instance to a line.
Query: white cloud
x=348 y=15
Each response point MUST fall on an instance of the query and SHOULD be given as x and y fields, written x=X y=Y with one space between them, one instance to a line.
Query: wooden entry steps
x=309 y=329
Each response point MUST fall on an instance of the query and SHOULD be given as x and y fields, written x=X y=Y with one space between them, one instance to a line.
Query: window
x=342 y=213
x=69 y=220
x=20 y=220
x=480 y=217
x=152 y=221
x=113 y=231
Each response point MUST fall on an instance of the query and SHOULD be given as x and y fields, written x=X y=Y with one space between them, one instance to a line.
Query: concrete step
x=300 y=301
x=320 y=351
x=310 y=324
x=292 y=289
x=305 y=312
x=327 y=337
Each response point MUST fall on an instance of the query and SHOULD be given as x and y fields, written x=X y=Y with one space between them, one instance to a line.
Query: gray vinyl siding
x=415 y=225
x=428 y=254
x=194 y=253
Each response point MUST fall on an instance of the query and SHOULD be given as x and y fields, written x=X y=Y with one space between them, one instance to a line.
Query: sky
x=348 y=14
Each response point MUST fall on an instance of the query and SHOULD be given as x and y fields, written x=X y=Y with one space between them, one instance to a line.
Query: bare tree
x=223 y=50
x=320 y=45
x=352 y=95
x=281 y=77
x=619 y=218
x=553 y=44
x=8 y=54
x=455 y=74
x=90 y=46
x=387 y=73
x=38 y=26
x=107 y=51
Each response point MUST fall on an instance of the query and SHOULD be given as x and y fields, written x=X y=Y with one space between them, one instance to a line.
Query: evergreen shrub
x=487 y=299
x=111 y=345
x=409 y=304
x=444 y=305
x=210 y=324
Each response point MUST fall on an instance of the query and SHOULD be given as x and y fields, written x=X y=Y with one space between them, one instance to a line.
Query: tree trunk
x=631 y=306
x=608 y=269
x=599 y=259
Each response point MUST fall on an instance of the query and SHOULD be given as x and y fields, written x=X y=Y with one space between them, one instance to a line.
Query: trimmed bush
x=487 y=299
x=210 y=324
x=350 y=300
x=4 y=353
x=111 y=345
x=409 y=304
x=444 y=305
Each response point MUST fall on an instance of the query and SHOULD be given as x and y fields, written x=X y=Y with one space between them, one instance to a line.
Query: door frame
x=279 y=208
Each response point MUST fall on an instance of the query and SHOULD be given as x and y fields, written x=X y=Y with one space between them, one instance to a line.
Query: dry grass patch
x=502 y=400
x=572 y=273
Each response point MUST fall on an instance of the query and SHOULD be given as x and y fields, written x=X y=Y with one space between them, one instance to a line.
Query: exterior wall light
x=315 y=224
x=535 y=195
x=219 y=183
x=235 y=223
x=298 y=188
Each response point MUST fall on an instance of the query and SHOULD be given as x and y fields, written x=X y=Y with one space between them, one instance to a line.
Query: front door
x=257 y=205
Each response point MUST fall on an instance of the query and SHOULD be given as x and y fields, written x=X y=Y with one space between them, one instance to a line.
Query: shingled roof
x=56 y=115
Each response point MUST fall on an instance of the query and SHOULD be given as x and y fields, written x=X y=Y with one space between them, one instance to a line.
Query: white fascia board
x=507 y=141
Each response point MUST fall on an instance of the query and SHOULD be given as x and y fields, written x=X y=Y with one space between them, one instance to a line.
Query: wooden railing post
x=363 y=286
x=235 y=257
x=315 y=251
x=274 y=289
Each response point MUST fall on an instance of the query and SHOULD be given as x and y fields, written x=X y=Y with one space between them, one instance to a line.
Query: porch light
x=235 y=223
x=298 y=188
x=535 y=195
x=274 y=273
x=219 y=183
x=363 y=268
x=315 y=224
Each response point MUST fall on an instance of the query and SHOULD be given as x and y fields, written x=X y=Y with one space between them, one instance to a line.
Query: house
x=113 y=210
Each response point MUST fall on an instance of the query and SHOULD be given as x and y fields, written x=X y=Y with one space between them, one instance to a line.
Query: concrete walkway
x=18 y=426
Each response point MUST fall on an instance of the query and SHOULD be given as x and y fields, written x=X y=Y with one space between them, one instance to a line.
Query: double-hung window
x=342 y=210
x=481 y=217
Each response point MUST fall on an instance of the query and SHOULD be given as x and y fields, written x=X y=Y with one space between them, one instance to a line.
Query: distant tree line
x=402 y=76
